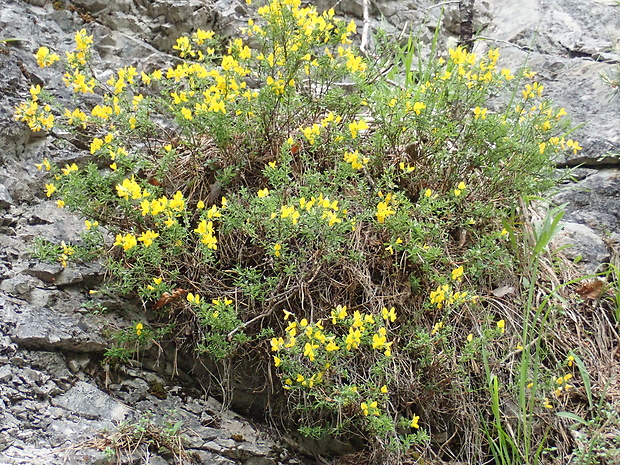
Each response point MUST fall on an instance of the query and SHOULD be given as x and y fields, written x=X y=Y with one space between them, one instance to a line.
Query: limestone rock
x=86 y=400
x=581 y=244
x=46 y=328
x=594 y=201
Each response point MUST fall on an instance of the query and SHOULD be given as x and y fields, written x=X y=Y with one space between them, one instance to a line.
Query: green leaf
x=572 y=416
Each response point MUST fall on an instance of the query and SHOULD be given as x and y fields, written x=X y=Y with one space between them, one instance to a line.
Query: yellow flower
x=82 y=40
x=291 y=329
x=130 y=188
x=177 y=202
x=95 y=145
x=388 y=314
x=457 y=273
x=277 y=361
x=147 y=237
x=505 y=72
x=378 y=341
x=480 y=113
x=263 y=193
x=45 y=163
x=353 y=339
x=50 y=189
x=367 y=409
x=45 y=58
x=60 y=203
x=311 y=133
x=384 y=389
x=418 y=107
x=384 y=210
x=438 y=327
x=89 y=225
x=470 y=337
x=193 y=298
x=103 y=112
x=332 y=346
x=309 y=350
x=158 y=281
x=276 y=343
x=68 y=169
x=127 y=241
x=428 y=193
x=213 y=212
x=355 y=160
x=574 y=145
x=414 y=422
x=570 y=360
x=139 y=328
x=357 y=126
x=276 y=249
x=501 y=325
x=187 y=113
x=459 y=189
x=340 y=313
x=287 y=211
x=406 y=168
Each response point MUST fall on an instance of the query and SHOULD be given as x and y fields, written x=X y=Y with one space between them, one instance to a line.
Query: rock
x=481 y=18
x=89 y=274
x=5 y=198
x=581 y=244
x=45 y=328
x=594 y=201
x=78 y=362
x=19 y=286
x=51 y=362
x=47 y=221
x=86 y=400
x=5 y=373
x=46 y=272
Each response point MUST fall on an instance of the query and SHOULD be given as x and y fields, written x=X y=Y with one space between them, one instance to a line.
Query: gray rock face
x=594 y=201
x=46 y=328
x=570 y=44
x=86 y=400
x=582 y=245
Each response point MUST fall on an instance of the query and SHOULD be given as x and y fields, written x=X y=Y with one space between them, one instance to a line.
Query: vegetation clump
x=287 y=202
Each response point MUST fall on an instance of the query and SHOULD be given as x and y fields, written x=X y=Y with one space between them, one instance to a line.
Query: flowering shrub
x=287 y=189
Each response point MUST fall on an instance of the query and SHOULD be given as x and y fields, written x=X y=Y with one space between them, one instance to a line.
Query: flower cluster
x=315 y=207
x=45 y=58
x=207 y=234
x=562 y=384
x=67 y=251
x=130 y=188
x=318 y=348
x=356 y=160
x=38 y=116
x=444 y=296
x=386 y=207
